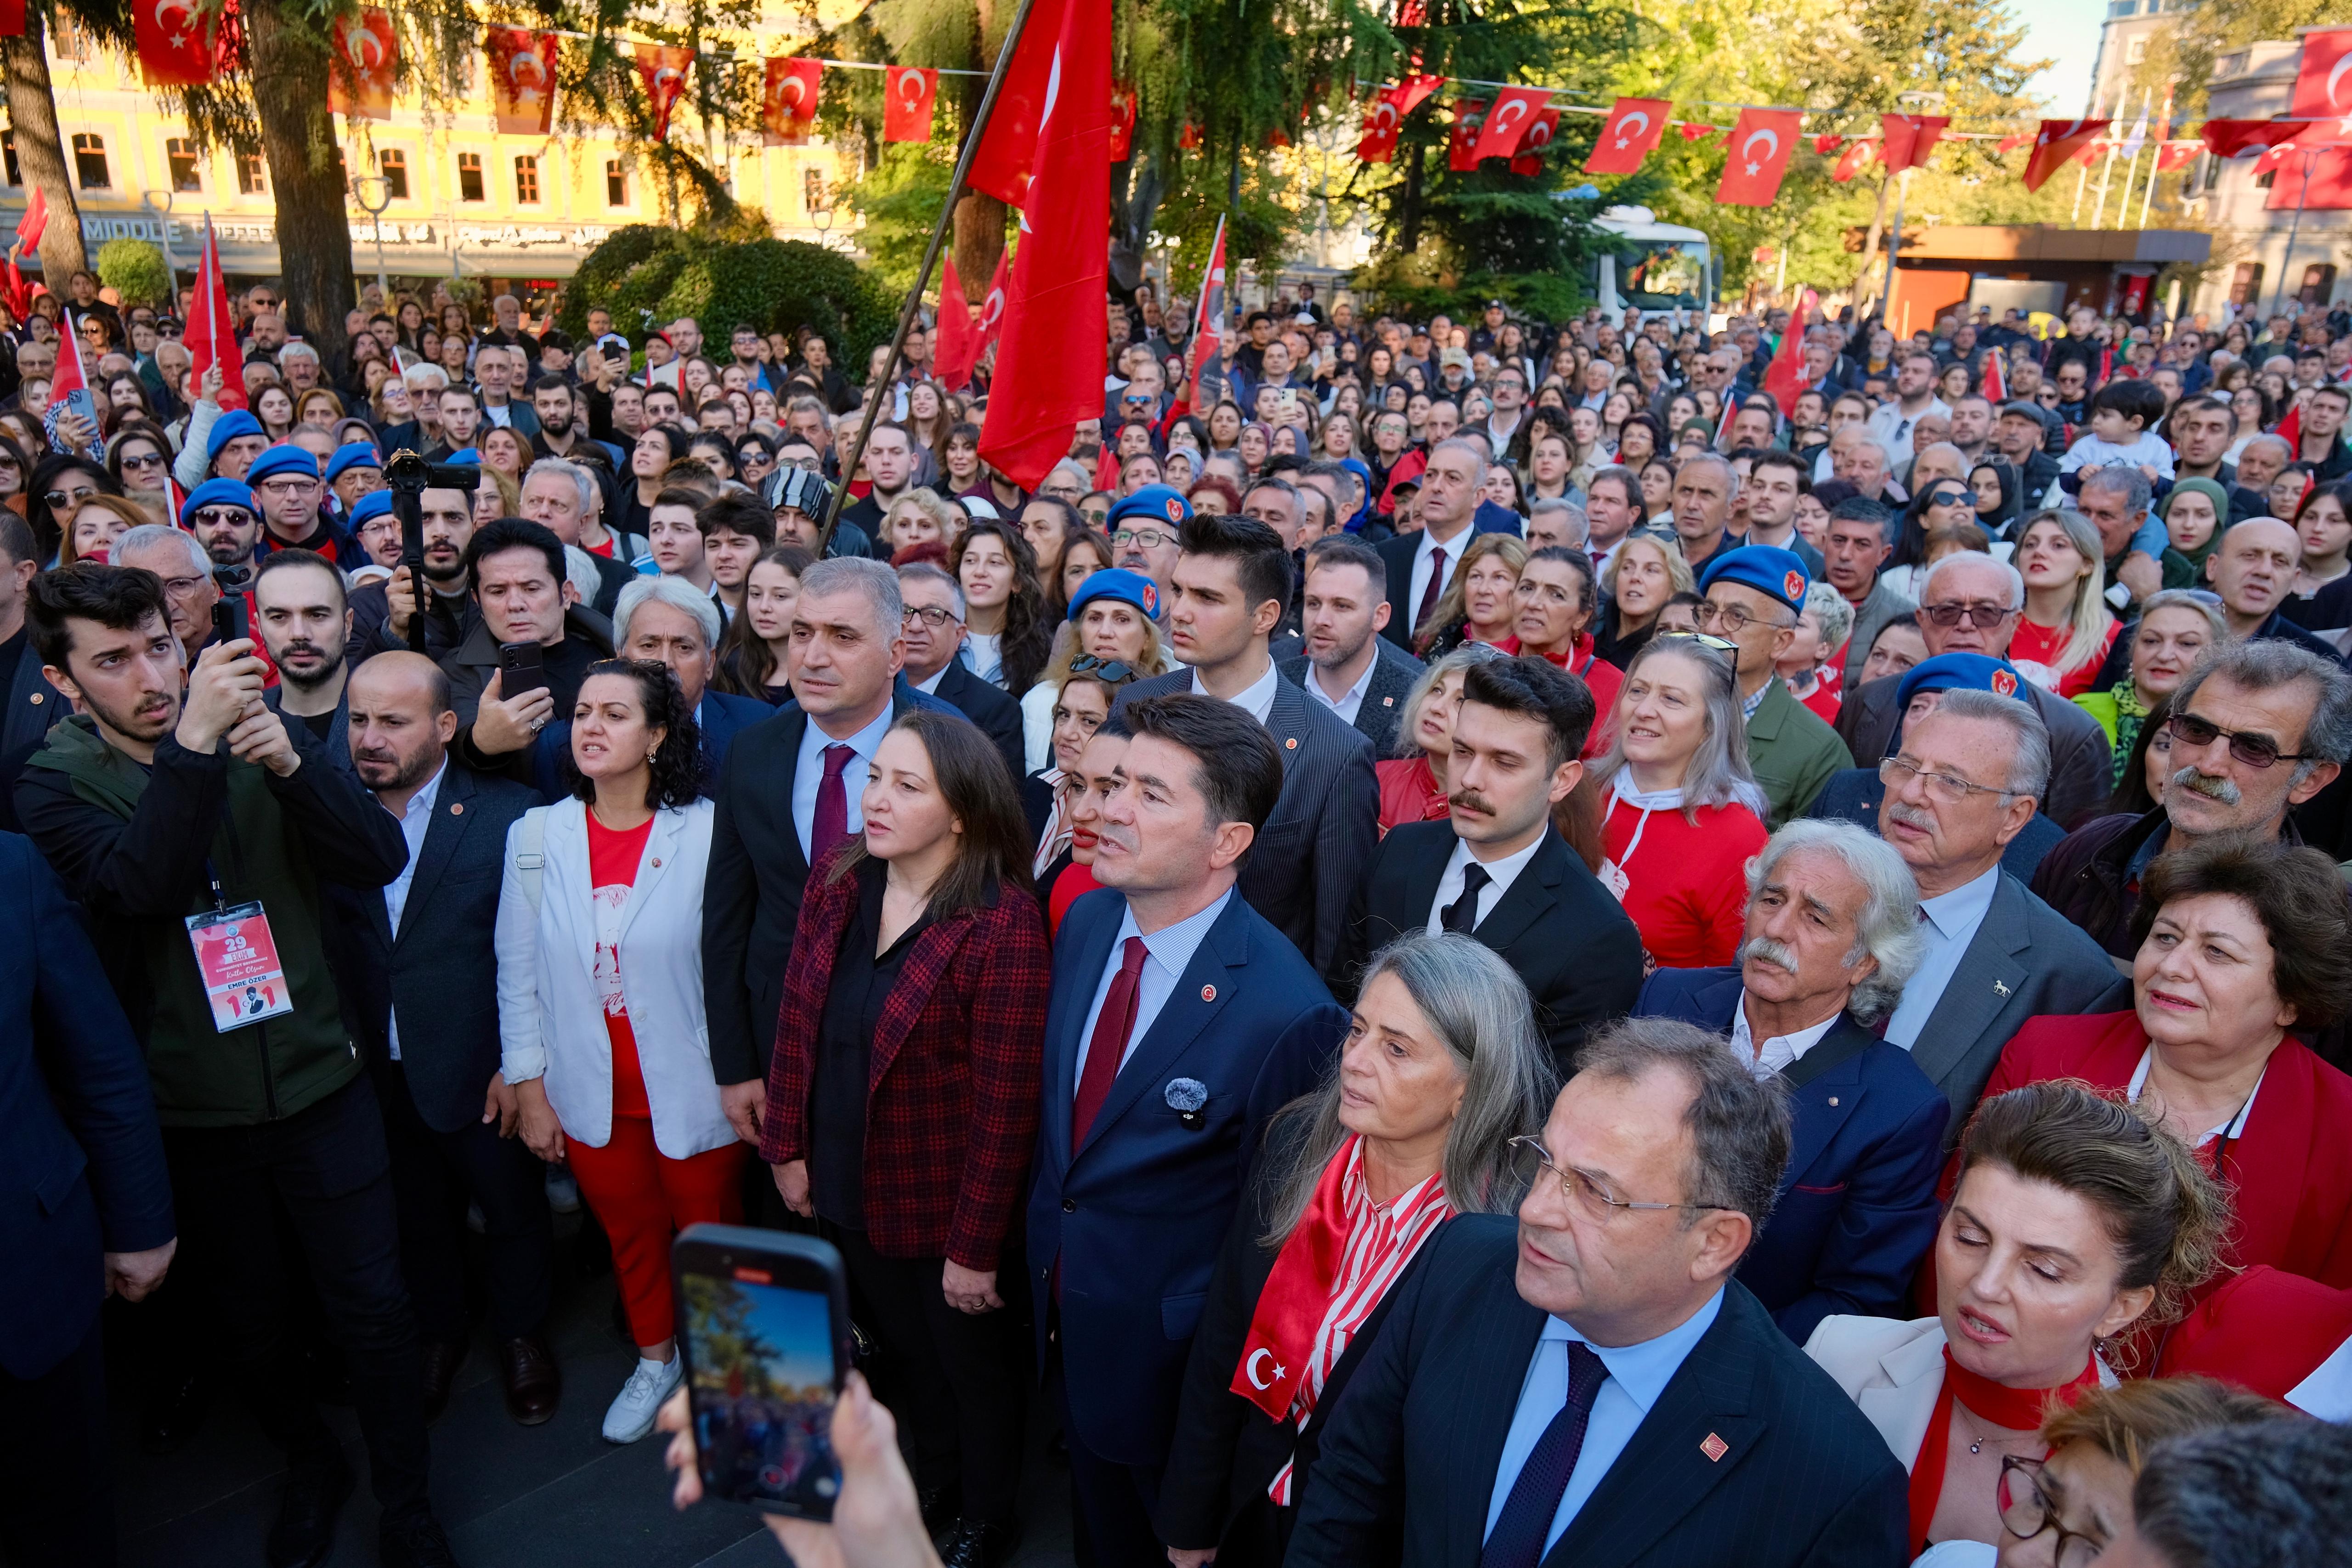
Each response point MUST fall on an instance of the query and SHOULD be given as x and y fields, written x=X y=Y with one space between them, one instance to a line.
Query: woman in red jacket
x=1557 y=600
x=2240 y=941
x=902 y=1098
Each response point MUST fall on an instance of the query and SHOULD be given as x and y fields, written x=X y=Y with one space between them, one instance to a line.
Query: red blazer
x=2291 y=1170
x=2262 y=1330
x=952 y=1091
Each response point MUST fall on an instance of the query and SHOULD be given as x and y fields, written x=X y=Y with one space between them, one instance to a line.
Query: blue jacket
x=82 y=1158
x=1135 y=1219
x=1857 y=1208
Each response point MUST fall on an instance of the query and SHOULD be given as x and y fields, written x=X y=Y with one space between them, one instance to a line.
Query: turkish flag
x=2322 y=182
x=1378 y=144
x=1008 y=144
x=2172 y=155
x=1538 y=137
x=1209 y=321
x=1692 y=133
x=69 y=385
x=1784 y=378
x=909 y=95
x=1049 y=370
x=957 y=347
x=1632 y=128
x=662 y=67
x=1410 y=92
x=1910 y=138
x=2058 y=140
x=1514 y=111
x=2011 y=143
x=1993 y=378
x=1759 y=150
x=2233 y=138
x=2276 y=157
x=1469 y=115
x=991 y=308
x=1828 y=144
x=12 y=18
x=178 y=45
x=788 y=100
x=523 y=79
x=35 y=221
x=2323 y=88
x=358 y=78
x=211 y=331
x=1851 y=164
x=1122 y=122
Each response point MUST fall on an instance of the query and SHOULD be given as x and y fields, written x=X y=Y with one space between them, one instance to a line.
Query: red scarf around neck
x=1997 y=1404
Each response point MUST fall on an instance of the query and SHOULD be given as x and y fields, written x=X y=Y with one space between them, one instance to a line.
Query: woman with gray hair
x=1683 y=811
x=1441 y=1070
x=1413 y=783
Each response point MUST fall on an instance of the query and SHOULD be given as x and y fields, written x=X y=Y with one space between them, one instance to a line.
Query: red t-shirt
x=612 y=860
x=1686 y=883
x=2041 y=645
x=605 y=550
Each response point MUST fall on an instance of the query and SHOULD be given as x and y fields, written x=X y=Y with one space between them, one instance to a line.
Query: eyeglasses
x=1719 y=644
x=287 y=488
x=1586 y=1191
x=1730 y=618
x=1983 y=617
x=2026 y=1513
x=1150 y=538
x=1110 y=669
x=2254 y=751
x=181 y=588
x=1943 y=787
x=932 y=615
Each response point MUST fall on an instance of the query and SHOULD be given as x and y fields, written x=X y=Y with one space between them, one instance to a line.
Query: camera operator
x=380 y=611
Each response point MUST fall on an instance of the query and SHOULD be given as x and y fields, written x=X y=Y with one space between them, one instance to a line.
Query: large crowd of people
x=1458 y=940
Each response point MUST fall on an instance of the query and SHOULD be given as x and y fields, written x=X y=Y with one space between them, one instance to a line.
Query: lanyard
x=212 y=874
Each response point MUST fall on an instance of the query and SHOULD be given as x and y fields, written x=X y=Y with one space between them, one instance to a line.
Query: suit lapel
x=1533 y=894
x=792 y=733
x=1487 y=1402
x=917 y=977
x=1086 y=961
x=441 y=837
x=1826 y=1085
x=1286 y=722
x=1201 y=994
x=1989 y=974
x=653 y=864
x=1845 y=1041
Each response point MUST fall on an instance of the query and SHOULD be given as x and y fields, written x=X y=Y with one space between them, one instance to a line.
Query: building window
x=616 y=182
x=8 y=155
x=393 y=165
x=2267 y=179
x=813 y=189
x=470 y=177
x=89 y=162
x=74 y=42
x=527 y=180
x=252 y=174
x=2136 y=51
x=181 y=155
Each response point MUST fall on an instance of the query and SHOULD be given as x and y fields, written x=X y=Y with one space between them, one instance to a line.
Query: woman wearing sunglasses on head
x=1110 y=619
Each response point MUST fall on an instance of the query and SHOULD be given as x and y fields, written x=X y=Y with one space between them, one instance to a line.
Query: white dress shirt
x=413 y=825
x=1256 y=698
x=930 y=685
x=1891 y=428
x=1638 y=1374
x=1949 y=922
x=1348 y=702
x=1504 y=872
x=808 y=772
x=1425 y=556
x=1170 y=951
x=1780 y=1052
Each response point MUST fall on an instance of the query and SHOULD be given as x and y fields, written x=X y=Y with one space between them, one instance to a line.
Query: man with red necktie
x=1180 y=1020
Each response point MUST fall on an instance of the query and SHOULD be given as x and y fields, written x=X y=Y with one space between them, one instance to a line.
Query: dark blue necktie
x=1517 y=1539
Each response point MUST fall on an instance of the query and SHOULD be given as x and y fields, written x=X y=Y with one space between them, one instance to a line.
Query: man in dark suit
x=28 y=703
x=1597 y=1390
x=1498 y=871
x=1226 y=594
x=1995 y=955
x=1180 y=1020
x=1831 y=938
x=1421 y=563
x=1346 y=665
x=420 y=950
x=85 y=1212
x=934 y=638
x=789 y=793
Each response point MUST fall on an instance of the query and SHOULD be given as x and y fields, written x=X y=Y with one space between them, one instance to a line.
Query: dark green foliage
x=645 y=274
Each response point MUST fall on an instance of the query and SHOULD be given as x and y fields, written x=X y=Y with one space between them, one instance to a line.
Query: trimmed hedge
x=648 y=275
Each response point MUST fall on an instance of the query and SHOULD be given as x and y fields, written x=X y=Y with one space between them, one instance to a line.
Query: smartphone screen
x=762 y=1323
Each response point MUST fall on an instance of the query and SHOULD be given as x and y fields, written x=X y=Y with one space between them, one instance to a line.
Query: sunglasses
x=2254 y=751
x=1109 y=669
x=1983 y=617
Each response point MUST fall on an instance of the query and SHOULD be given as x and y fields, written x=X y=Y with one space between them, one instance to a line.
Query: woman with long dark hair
x=60 y=485
x=1005 y=623
x=751 y=650
x=902 y=1098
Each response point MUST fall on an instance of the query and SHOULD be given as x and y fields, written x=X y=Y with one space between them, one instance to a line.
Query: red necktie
x=1109 y=1045
x=1436 y=589
x=829 y=824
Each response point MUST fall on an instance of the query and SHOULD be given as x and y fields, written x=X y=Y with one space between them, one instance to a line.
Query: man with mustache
x=2257 y=729
x=1833 y=934
x=1498 y=871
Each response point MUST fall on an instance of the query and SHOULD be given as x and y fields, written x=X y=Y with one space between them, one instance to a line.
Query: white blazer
x=1894 y=1371
x=551 y=1020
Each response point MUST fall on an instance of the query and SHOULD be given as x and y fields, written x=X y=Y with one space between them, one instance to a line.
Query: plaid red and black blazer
x=952 y=1087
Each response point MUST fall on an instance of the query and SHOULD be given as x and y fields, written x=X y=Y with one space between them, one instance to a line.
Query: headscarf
x=2212 y=491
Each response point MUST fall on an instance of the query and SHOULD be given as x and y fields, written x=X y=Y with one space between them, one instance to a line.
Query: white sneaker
x=640 y=1399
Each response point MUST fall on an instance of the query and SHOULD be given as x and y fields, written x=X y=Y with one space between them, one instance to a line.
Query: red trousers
x=643 y=1198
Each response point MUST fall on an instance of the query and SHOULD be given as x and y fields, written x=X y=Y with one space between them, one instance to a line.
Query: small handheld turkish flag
x=909 y=97
x=1784 y=378
x=1757 y=157
x=955 y=349
x=211 y=331
x=1514 y=111
x=2058 y=140
x=1632 y=128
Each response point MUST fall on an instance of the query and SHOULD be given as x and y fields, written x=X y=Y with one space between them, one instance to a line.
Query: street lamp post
x=162 y=212
x=374 y=193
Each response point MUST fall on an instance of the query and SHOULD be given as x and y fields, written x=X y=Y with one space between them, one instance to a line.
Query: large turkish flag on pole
x=1758 y=156
x=1632 y=128
x=1049 y=368
x=2058 y=140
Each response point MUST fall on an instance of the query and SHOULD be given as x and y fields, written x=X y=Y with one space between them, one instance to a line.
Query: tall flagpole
x=2163 y=137
x=2140 y=139
x=2082 y=174
x=923 y=274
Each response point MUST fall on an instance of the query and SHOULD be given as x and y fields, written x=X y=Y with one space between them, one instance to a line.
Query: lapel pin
x=656 y=865
x=1833 y=1100
x=1999 y=989
x=1292 y=742
x=1387 y=702
x=1208 y=993
x=456 y=808
x=37 y=699
x=1715 y=1448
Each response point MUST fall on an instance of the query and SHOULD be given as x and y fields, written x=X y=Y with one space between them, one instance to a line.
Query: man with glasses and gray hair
x=189 y=590
x=1970 y=603
x=2256 y=729
x=1592 y=1383
x=1832 y=934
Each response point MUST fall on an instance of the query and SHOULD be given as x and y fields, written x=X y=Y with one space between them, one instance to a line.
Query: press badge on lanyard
x=237 y=958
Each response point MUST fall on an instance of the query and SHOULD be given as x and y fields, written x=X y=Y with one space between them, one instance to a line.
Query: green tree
x=2181 y=52
x=33 y=117
x=134 y=269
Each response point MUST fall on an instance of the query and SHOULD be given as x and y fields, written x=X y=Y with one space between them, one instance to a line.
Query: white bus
x=1665 y=270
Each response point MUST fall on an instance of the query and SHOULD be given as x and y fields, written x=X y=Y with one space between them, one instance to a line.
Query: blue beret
x=1162 y=503
x=464 y=458
x=236 y=422
x=283 y=459
x=1772 y=571
x=1963 y=671
x=217 y=492
x=1116 y=582
x=371 y=506
x=357 y=455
